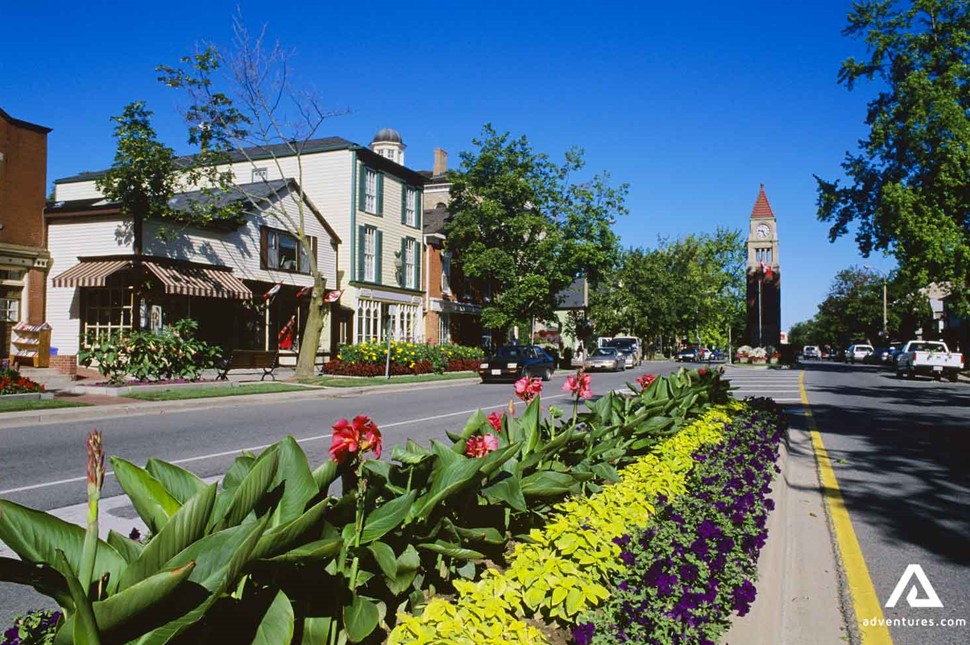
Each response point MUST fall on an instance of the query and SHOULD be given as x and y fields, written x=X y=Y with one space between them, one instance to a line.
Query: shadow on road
x=904 y=465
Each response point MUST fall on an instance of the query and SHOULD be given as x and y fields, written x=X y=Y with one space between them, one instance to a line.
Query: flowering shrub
x=578 y=385
x=11 y=382
x=696 y=563
x=441 y=358
x=353 y=439
x=150 y=356
x=343 y=368
x=645 y=381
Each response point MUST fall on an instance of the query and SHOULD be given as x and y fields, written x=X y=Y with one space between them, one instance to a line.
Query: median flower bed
x=696 y=564
x=370 y=359
x=518 y=509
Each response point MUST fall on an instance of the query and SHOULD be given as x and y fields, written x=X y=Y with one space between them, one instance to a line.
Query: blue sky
x=693 y=104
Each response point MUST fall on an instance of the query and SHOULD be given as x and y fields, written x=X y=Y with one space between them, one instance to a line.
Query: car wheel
x=899 y=373
x=547 y=374
x=953 y=376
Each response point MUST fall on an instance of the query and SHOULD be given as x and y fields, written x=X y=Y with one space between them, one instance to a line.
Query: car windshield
x=926 y=347
x=622 y=343
x=510 y=352
x=608 y=352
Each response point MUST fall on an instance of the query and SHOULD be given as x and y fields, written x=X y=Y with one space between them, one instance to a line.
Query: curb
x=59 y=415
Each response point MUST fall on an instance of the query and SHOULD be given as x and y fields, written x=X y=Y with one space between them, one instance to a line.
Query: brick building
x=24 y=261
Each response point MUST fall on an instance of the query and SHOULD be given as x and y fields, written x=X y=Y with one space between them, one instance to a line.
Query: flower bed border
x=28 y=396
x=122 y=390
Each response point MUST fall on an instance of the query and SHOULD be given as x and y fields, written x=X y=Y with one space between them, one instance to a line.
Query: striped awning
x=206 y=282
x=89 y=273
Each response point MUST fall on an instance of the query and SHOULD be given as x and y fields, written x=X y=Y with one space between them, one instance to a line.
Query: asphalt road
x=43 y=466
x=901 y=454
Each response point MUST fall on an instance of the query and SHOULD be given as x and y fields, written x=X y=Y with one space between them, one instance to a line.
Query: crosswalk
x=782 y=385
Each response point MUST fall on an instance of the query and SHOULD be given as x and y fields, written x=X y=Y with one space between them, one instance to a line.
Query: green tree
x=907 y=186
x=143 y=176
x=242 y=100
x=688 y=289
x=520 y=224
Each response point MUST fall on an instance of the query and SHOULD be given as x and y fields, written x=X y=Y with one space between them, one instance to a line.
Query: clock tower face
x=762 y=232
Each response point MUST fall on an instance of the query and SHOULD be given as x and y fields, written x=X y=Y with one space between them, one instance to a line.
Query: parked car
x=605 y=358
x=627 y=345
x=857 y=353
x=885 y=356
x=811 y=352
x=717 y=355
x=930 y=358
x=688 y=355
x=515 y=361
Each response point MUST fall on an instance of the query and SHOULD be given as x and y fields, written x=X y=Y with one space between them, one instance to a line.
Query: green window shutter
x=418 y=213
x=379 y=252
x=404 y=203
x=361 y=241
x=380 y=193
x=402 y=275
x=417 y=266
x=362 y=188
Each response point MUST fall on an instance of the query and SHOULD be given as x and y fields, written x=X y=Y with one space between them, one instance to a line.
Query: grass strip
x=21 y=405
x=358 y=381
x=180 y=393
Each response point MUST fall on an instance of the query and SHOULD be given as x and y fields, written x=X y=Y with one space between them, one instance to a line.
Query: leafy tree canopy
x=523 y=225
x=682 y=290
x=908 y=186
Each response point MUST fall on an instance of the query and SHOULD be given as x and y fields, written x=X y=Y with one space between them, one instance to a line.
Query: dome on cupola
x=389 y=144
x=389 y=135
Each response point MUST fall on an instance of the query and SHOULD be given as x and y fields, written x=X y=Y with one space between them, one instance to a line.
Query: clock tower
x=763 y=319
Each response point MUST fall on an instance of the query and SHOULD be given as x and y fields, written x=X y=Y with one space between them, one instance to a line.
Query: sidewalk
x=117 y=406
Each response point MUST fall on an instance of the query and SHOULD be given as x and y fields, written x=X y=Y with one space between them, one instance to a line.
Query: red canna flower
x=528 y=388
x=355 y=438
x=478 y=445
x=345 y=441
x=702 y=372
x=495 y=419
x=372 y=439
x=645 y=380
x=578 y=385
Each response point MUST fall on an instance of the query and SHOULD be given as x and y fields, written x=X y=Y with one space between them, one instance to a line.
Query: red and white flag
x=766 y=270
x=273 y=290
x=302 y=292
x=333 y=296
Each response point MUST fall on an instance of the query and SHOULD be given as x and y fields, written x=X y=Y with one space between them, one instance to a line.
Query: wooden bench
x=250 y=359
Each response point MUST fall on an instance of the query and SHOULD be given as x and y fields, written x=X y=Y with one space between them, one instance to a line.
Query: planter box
x=27 y=396
x=122 y=390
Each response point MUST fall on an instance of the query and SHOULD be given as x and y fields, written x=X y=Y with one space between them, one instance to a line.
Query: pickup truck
x=928 y=357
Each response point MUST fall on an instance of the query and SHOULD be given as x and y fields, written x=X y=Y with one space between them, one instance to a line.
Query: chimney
x=440 y=162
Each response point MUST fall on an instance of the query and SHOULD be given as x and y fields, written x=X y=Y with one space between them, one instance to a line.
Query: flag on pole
x=273 y=290
x=333 y=296
x=766 y=270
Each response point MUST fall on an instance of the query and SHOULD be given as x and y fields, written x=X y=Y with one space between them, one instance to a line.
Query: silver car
x=605 y=358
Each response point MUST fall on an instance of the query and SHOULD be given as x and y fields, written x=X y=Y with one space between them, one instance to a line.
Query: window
x=107 y=311
x=763 y=255
x=446 y=273
x=260 y=174
x=283 y=251
x=9 y=310
x=390 y=153
x=410 y=258
x=444 y=328
x=368 y=321
x=370 y=254
x=411 y=207
x=370 y=191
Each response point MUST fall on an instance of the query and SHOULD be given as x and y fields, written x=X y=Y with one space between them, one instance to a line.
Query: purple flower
x=708 y=530
x=623 y=541
x=688 y=572
x=770 y=504
x=742 y=597
x=628 y=558
x=583 y=633
x=699 y=548
x=725 y=545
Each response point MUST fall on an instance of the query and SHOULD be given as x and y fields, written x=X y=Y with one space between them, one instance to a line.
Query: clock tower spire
x=763 y=321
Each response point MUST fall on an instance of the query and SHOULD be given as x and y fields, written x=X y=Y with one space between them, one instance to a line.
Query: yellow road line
x=865 y=602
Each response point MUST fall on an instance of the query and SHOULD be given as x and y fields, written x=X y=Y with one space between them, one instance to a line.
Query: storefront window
x=106 y=312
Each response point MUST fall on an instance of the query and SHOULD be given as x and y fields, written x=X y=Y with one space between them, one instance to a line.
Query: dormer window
x=260 y=174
